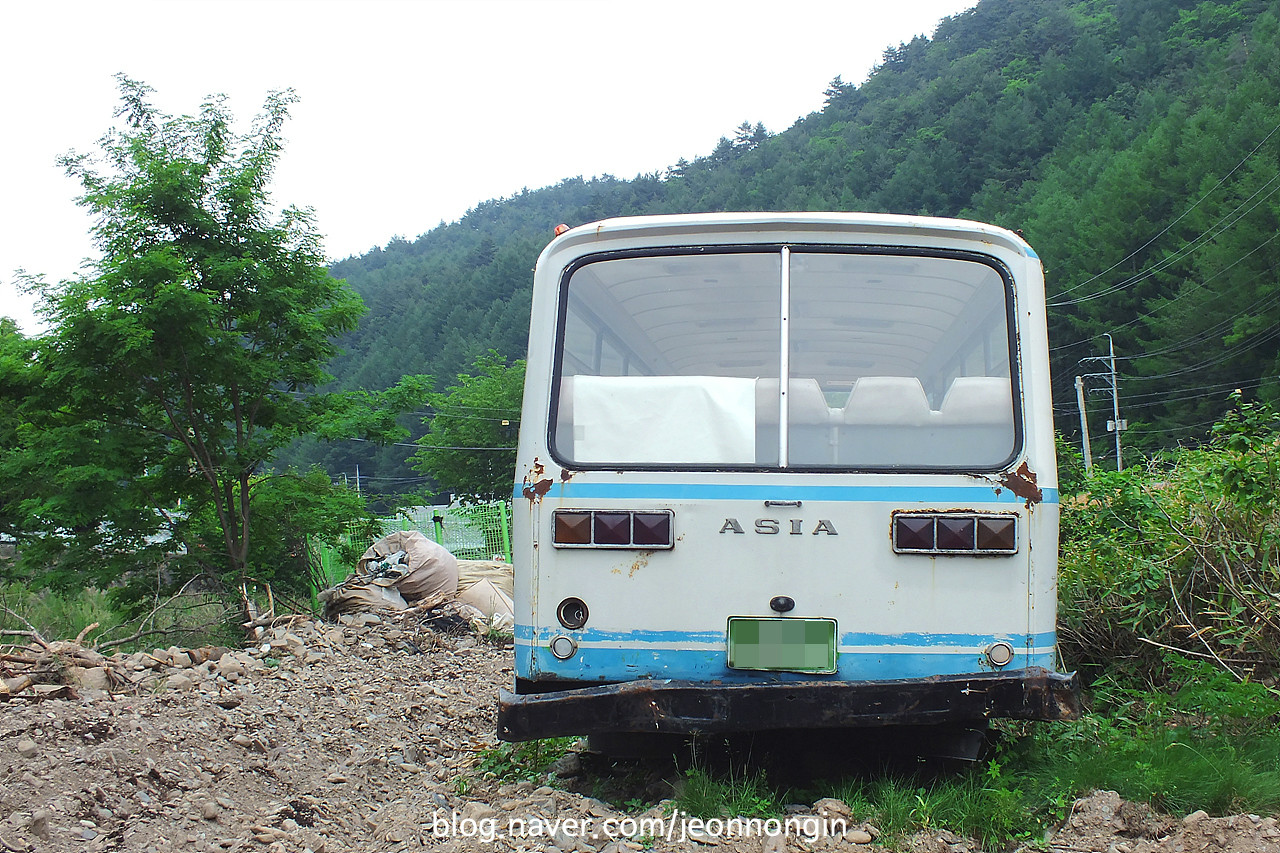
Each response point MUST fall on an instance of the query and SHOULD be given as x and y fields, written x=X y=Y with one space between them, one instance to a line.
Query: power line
x=1184 y=214
x=1186 y=291
x=1179 y=254
x=423 y=446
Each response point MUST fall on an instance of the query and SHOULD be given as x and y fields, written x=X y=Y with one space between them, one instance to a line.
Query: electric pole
x=1116 y=424
x=1084 y=426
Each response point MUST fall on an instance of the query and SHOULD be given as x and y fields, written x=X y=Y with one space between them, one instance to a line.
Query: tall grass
x=55 y=616
x=190 y=620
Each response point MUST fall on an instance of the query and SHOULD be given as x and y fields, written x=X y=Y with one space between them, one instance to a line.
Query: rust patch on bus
x=536 y=485
x=1022 y=483
x=642 y=560
x=537 y=491
x=566 y=475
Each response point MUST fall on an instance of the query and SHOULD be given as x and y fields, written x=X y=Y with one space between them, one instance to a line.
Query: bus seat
x=976 y=420
x=564 y=418
x=806 y=405
x=977 y=400
x=809 y=422
x=887 y=400
x=886 y=421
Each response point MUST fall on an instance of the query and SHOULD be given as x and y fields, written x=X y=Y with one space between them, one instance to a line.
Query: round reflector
x=999 y=653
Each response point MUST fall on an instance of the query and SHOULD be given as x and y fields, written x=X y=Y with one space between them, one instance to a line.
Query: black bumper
x=689 y=707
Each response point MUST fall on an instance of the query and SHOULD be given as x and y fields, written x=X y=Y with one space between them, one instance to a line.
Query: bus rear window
x=891 y=360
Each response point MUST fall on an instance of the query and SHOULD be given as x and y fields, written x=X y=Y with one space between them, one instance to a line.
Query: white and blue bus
x=785 y=471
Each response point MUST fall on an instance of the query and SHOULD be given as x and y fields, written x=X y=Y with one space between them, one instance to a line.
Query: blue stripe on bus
x=627 y=665
x=757 y=492
x=639 y=638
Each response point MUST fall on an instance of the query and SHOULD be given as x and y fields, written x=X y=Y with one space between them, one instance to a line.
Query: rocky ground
x=365 y=736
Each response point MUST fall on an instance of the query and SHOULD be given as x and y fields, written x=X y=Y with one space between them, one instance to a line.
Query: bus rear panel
x=785 y=471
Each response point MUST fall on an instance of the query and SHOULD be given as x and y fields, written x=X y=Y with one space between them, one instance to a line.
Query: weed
x=495 y=636
x=57 y=616
x=635 y=804
x=736 y=794
x=523 y=761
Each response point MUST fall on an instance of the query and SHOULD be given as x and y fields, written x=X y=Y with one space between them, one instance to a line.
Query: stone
x=1195 y=817
x=564 y=840
x=40 y=823
x=774 y=844
x=831 y=808
x=230 y=667
x=91 y=678
x=569 y=764
x=28 y=748
x=858 y=836
x=478 y=811
x=179 y=681
x=209 y=810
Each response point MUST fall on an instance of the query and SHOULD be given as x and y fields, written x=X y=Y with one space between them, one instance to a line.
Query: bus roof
x=707 y=227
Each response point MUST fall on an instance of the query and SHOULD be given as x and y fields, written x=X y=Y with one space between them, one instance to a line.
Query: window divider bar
x=784 y=360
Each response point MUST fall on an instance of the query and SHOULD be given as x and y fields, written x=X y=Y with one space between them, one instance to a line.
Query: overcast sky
x=413 y=112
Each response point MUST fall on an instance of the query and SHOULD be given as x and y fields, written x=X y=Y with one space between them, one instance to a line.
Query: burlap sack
x=432 y=569
x=488 y=599
x=496 y=572
x=497 y=607
x=360 y=597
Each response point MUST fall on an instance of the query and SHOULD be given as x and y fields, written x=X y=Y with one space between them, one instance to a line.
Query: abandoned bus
x=785 y=471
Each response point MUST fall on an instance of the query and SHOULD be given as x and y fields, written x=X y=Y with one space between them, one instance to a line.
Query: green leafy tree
x=292 y=513
x=469 y=447
x=188 y=354
x=20 y=375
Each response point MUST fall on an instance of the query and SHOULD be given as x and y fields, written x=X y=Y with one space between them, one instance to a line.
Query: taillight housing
x=647 y=530
x=955 y=533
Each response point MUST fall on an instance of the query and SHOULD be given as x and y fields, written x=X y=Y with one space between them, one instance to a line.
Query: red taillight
x=612 y=528
x=572 y=528
x=997 y=534
x=954 y=533
x=586 y=528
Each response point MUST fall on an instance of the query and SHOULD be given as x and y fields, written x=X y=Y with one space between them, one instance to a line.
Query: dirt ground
x=364 y=737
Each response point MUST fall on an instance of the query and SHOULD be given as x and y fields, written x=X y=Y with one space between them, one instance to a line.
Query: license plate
x=791 y=645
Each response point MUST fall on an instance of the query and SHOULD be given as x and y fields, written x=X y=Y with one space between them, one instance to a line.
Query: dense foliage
x=1133 y=142
x=469 y=448
x=1180 y=555
x=138 y=429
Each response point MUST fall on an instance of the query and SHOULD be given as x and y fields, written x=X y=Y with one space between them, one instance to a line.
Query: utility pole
x=1084 y=426
x=1116 y=424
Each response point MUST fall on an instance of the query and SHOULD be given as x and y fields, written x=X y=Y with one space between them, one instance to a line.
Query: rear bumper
x=689 y=707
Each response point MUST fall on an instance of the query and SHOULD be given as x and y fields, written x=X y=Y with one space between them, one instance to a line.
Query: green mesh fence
x=477 y=532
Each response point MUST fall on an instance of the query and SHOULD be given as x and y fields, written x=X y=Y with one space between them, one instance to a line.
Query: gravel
x=364 y=736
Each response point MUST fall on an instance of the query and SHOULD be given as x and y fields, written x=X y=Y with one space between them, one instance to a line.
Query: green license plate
x=793 y=645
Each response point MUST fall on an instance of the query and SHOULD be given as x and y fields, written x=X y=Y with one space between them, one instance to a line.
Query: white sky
x=413 y=112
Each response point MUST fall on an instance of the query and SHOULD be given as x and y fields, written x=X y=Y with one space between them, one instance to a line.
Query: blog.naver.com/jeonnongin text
x=674 y=827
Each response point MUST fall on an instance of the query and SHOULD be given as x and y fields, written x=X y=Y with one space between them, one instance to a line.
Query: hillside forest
x=1134 y=143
